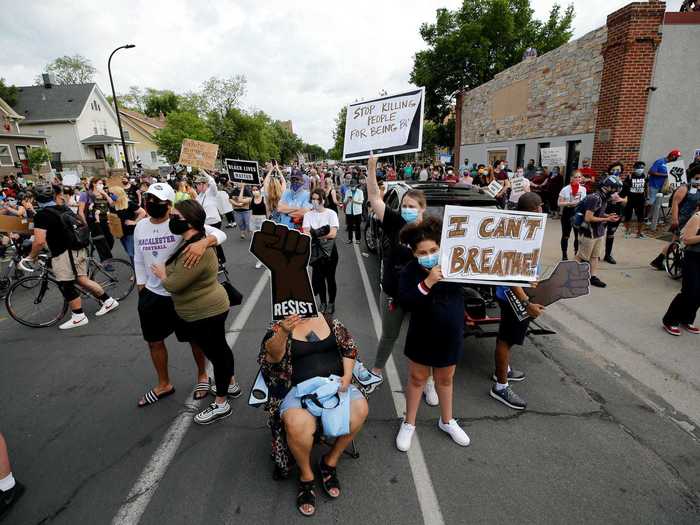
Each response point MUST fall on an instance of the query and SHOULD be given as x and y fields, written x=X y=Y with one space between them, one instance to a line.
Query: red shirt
x=589 y=173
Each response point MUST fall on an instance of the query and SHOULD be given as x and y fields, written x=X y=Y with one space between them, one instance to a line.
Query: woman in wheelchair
x=293 y=351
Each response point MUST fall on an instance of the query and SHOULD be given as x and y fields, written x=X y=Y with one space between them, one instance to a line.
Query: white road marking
x=145 y=487
x=427 y=498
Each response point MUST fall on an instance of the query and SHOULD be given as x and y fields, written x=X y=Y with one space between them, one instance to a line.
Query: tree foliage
x=74 y=69
x=157 y=102
x=336 y=152
x=220 y=95
x=314 y=152
x=37 y=157
x=8 y=93
x=181 y=125
x=469 y=46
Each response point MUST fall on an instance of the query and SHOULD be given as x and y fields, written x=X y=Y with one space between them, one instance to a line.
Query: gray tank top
x=689 y=205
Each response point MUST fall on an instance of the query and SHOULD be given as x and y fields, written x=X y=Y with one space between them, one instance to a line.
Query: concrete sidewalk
x=619 y=327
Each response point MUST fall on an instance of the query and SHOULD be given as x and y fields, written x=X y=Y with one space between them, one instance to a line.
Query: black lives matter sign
x=243 y=171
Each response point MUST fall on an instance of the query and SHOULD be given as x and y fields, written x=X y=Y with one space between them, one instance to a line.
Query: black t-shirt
x=596 y=204
x=128 y=214
x=396 y=255
x=51 y=222
x=633 y=186
x=246 y=193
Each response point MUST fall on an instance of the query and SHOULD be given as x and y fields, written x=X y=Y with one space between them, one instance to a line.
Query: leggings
x=684 y=306
x=230 y=218
x=101 y=238
x=323 y=276
x=210 y=335
x=219 y=250
x=566 y=227
x=392 y=319
x=353 y=222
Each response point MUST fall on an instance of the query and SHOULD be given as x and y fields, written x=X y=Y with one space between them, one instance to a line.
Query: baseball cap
x=675 y=153
x=162 y=191
x=201 y=179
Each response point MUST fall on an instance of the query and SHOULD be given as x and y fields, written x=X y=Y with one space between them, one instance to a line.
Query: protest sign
x=676 y=173
x=244 y=171
x=387 y=125
x=286 y=254
x=517 y=184
x=490 y=246
x=71 y=178
x=14 y=224
x=553 y=156
x=198 y=154
x=494 y=188
x=570 y=279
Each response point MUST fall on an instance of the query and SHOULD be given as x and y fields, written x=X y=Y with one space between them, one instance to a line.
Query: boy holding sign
x=516 y=312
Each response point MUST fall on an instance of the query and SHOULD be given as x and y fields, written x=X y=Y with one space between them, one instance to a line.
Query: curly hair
x=430 y=229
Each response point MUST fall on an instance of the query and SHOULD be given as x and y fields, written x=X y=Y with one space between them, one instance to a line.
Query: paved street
x=591 y=447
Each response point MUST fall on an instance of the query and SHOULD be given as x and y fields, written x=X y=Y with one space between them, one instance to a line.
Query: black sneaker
x=513 y=375
x=609 y=259
x=9 y=497
x=658 y=263
x=597 y=282
x=508 y=398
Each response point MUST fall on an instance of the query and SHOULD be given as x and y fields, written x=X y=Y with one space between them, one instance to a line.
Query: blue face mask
x=429 y=261
x=296 y=186
x=409 y=214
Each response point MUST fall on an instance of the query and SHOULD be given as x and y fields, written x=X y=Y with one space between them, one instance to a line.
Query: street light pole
x=116 y=105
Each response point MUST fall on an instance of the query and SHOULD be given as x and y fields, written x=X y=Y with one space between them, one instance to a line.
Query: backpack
x=578 y=220
x=76 y=231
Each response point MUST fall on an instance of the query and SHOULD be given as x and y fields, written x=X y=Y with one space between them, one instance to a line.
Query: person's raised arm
x=373 y=193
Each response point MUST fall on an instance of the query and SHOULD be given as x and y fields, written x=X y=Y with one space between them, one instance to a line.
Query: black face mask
x=178 y=226
x=157 y=210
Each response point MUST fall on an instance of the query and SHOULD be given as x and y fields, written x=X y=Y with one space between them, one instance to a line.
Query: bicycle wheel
x=116 y=276
x=36 y=301
x=674 y=261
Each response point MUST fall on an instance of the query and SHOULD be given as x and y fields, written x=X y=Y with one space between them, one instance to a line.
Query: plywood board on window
x=510 y=101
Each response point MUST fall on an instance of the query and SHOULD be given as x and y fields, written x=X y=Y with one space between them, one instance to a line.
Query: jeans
x=684 y=306
x=210 y=335
x=128 y=244
x=243 y=220
x=392 y=319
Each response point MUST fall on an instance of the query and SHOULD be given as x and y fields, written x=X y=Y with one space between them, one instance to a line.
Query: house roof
x=7 y=110
x=58 y=103
x=149 y=121
x=104 y=139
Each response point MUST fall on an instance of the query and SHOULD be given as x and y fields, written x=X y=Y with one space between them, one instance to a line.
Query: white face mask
x=99 y=187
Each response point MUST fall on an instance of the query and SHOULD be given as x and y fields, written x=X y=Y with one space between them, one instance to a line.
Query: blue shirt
x=501 y=290
x=659 y=166
x=300 y=199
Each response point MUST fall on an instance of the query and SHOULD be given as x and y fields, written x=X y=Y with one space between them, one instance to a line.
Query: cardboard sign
x=115 y=225
x=517 y=184
x=71 y=178
x=489 y=246
x=569 y=279
x=553 y=156
x=14 y=224
x=243 y=171
x=494 y=188
x=387 y=125
x=676 y=173
x=198 y=154
x=286 y=254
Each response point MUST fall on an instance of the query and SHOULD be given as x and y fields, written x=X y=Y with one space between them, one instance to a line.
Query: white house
x=76 y=119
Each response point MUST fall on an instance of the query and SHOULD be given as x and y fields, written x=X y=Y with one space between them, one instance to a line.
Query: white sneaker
x=258 y=265
x=213 y=413
x=74 y=322
x=430 y=393
x=108 y=306
x=404 y=437
x=456 y=432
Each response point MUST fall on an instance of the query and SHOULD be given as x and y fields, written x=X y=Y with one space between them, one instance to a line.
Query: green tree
x=157 y=102
x=220 y=95
x=181 y=125
x=8 y=93
x=469 y=46
x=74 y=69
x=336 y=152
x=37 y=157
x=314 y=152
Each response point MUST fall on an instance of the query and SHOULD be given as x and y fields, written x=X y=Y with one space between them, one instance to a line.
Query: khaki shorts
x=590 y=248
x=62 y=269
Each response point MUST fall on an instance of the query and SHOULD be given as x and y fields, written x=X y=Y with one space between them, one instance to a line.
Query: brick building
x=626 y=91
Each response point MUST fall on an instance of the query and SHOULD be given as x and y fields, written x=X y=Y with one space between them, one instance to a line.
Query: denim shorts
x=291 y=401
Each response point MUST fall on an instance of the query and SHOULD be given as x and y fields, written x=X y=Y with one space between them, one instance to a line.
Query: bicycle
x=36 y=301
x=12 y=272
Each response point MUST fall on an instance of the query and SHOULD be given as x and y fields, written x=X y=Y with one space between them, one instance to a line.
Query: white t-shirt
x=224 y=203
x=210 y=202
x=318 y=219
x=565 y=194
x=154 y=244
x=423 y=175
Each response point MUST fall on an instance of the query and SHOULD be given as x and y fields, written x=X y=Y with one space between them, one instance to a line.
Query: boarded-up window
x=510 y=101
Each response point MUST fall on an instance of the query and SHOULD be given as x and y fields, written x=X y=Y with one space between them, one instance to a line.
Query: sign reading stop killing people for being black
x=385 y=126
x=243 y=171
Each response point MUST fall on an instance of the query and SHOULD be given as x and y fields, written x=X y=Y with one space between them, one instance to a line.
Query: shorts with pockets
x=158 y=318
x=590 y=247
x=511 y=330
x=64 y=270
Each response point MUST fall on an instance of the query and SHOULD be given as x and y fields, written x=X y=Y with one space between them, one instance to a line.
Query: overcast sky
x=303 y=59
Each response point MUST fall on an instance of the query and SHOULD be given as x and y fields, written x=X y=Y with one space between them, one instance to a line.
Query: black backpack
x=76 y=231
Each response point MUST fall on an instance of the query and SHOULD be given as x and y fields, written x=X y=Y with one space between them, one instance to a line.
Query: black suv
x=479 y=300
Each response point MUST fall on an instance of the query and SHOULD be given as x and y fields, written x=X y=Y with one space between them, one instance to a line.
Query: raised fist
x=286 y=254
x=570 y=279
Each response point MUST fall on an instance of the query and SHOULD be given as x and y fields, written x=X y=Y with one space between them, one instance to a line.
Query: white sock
x=508 y=369
x=500 y=386
x=222 y=405
x=77 y=316
x=7 y=483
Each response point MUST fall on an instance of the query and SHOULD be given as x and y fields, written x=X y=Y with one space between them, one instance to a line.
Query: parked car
x=480 y=308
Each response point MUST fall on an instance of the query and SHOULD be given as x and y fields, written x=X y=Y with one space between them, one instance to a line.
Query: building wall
x=13 y=142
x=554 y=95
x=144 y=146
x=60 y=137
x=103 y=118
x=672 y=116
